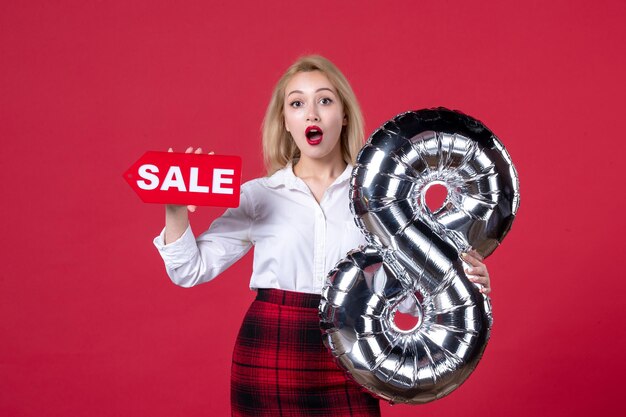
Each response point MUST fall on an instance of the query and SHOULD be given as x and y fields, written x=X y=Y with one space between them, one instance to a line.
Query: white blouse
x=297 y=241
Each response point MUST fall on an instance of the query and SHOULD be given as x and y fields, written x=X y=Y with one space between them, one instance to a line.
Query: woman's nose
x=312 y=115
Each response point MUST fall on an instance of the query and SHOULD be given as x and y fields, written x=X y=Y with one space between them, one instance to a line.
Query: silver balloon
x=412 y=260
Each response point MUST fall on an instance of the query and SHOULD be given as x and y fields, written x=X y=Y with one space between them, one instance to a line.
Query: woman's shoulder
x=255 y=184
x=276 y=180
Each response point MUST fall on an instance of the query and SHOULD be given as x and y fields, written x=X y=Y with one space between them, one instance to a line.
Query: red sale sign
x=186 y=178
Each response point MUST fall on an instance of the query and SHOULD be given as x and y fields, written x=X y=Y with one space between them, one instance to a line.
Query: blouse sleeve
x=190 y=261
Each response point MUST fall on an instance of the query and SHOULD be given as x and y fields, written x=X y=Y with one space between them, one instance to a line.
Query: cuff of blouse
x=178 y=252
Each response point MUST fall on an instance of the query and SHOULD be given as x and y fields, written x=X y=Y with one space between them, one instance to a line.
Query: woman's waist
x=288 y=298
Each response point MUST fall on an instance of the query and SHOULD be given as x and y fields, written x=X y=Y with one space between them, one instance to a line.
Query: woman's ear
x=345 y=120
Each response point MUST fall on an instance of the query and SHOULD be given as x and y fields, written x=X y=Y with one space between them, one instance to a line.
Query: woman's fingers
x=478 y=272
x=191 y=150
x=477 y=255
x=484 y=282
x=473 y=258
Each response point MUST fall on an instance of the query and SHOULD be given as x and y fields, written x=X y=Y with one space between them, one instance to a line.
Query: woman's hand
x=478 y=272
x=177 y=216
x=191 y=208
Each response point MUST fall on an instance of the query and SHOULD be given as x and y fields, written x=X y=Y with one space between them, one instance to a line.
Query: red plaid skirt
x=281 y=367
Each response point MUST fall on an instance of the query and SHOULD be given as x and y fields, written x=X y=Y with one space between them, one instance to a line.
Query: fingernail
x=463 y=255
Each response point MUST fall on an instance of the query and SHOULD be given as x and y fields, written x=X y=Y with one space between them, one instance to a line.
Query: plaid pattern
x=281 y=367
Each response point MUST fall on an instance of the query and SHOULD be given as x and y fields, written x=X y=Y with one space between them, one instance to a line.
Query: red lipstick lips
x=314 y=135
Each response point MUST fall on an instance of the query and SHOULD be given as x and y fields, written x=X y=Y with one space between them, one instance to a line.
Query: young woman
x=298 y=218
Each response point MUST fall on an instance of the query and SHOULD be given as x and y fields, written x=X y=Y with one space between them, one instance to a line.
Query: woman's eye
x=326 y=100
x=296 y=103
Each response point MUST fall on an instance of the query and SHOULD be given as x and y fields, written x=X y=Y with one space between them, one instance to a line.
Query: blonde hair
x=279 y=147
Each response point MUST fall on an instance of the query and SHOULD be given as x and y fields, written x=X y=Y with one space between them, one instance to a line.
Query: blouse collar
x=286 y=177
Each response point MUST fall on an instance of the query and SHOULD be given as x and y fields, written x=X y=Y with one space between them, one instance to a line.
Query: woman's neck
x=319 y=169
x=318 y=174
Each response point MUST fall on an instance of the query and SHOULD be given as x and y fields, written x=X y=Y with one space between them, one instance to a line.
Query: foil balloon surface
x=412 y=263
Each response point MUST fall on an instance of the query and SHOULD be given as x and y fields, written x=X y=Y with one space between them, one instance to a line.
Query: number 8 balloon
x=412 y=260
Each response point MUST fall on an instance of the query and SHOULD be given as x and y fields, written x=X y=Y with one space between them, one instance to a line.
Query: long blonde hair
x=279 y=147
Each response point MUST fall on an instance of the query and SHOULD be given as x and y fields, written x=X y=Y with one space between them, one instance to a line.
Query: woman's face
x=314 y=115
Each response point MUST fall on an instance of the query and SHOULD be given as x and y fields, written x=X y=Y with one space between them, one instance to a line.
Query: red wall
x=90 y=324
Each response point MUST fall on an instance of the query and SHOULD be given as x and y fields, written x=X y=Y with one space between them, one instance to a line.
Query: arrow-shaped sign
x=186 y=178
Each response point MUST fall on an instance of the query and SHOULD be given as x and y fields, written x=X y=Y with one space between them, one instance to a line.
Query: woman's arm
x=190 y=261
x=176 y=222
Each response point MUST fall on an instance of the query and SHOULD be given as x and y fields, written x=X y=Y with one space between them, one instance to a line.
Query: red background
x=90 y=323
